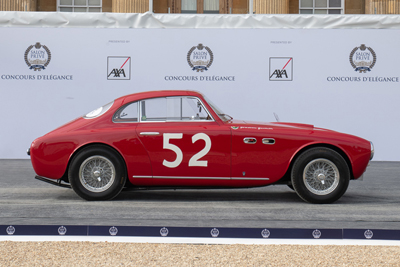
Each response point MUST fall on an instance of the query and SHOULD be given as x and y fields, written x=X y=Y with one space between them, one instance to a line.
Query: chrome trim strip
x=249 y=178
x=149 y=133
x=268 y=141
x=192 y=177
x=199 y=178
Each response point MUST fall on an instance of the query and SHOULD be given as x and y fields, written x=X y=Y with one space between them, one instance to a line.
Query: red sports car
x=180 y=139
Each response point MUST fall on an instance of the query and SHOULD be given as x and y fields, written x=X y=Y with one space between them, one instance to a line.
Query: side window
x=192 y=109
x=154 y=109
x=128 y=113
x=173 y=109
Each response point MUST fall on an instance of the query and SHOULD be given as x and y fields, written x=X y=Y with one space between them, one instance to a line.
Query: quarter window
x=128 y=113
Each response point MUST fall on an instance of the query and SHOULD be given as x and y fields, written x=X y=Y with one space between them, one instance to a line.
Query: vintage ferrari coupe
x=180 y=139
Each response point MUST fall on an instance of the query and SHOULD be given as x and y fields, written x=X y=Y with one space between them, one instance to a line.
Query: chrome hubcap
x=97 y=174
x=321 y=176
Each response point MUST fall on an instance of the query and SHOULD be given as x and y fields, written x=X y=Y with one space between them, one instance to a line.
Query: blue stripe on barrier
x=198 y=232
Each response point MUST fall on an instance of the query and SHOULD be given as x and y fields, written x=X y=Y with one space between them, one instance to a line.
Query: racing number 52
x=195 y=159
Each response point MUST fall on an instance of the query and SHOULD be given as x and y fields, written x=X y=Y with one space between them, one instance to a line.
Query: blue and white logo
x=113 y=231
x=362 y=58
x=265 y=233
x=368 y=234
x=164 y=232
x=200 y=58
x=37 y=57
x=62 y=230
x=316 y=233
x=10 y=230
x=214 y=232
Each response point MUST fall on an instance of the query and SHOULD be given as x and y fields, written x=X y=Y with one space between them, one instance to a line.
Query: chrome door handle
x=268 y=141
x=149 y=133
x=249 y=140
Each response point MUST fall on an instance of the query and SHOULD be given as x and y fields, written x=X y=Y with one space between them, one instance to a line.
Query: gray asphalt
x=372 y=203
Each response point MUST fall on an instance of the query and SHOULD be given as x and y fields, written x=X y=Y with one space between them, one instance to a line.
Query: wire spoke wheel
x=97 y=174
x=321 y=176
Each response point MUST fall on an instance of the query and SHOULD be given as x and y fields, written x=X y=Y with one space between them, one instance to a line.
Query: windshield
x=217 y=110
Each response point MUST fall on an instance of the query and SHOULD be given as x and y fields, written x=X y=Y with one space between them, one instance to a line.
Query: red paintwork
x=229 y=155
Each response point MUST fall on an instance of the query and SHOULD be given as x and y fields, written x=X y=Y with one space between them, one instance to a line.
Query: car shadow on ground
x=198 y=195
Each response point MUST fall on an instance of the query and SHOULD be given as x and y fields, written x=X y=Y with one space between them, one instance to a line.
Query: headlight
x=372 y=150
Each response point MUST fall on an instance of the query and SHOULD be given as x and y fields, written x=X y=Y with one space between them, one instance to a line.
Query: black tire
x=320 y=175
x=97 y=173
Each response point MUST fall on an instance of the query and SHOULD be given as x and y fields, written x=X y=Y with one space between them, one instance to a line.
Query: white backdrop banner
x=342 y=79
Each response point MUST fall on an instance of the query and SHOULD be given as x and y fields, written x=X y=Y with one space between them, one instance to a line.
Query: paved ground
x=372 y=203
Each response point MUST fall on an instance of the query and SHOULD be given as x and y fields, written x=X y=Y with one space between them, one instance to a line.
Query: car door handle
x=268 y=141
x=149 y=133
x=249 y=140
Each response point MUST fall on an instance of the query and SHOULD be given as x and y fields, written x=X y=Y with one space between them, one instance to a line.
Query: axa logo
x=118 y=68
x=281 y=69
x=37 y=57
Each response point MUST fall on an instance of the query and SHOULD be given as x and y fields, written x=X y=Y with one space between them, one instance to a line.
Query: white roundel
x=10 y=230
x=164 y=231
x=214 y=232
x=265 y=233
x=368 y=234
x=62 y=230
x=316 y=233
x=113 y=231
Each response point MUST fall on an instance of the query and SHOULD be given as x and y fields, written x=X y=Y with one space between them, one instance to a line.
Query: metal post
x=251 y=7
x=151 y=6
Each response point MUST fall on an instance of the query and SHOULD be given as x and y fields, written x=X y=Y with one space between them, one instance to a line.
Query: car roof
x=161 y=93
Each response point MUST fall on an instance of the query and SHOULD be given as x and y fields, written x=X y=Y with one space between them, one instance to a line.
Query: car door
x=185 y=144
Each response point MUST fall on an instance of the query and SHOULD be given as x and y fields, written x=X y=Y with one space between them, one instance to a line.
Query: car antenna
x=276 y=117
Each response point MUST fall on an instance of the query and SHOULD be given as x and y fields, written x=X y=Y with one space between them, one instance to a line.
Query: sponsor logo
x=265 y=233
x=200 y=58
x=37 y=57
x=10 y=230
x=118 y=68
x=281 y=69
x=164 y=231
x=235 y=127
x=316 y=233
x=62 y=230
x=368 y=234
x=214 y=232
x=113 y=231
x=362 y=58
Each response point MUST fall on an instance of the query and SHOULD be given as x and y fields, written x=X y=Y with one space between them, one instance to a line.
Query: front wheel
x=320 y=175
x=97 y=173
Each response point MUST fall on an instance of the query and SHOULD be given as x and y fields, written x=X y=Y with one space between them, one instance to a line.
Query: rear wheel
x=97 y=173
x=320 y=175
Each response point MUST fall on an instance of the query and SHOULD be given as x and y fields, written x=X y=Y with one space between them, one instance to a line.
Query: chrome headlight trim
x=372 y=150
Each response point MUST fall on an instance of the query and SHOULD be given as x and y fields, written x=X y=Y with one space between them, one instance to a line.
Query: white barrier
x=336 y=72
